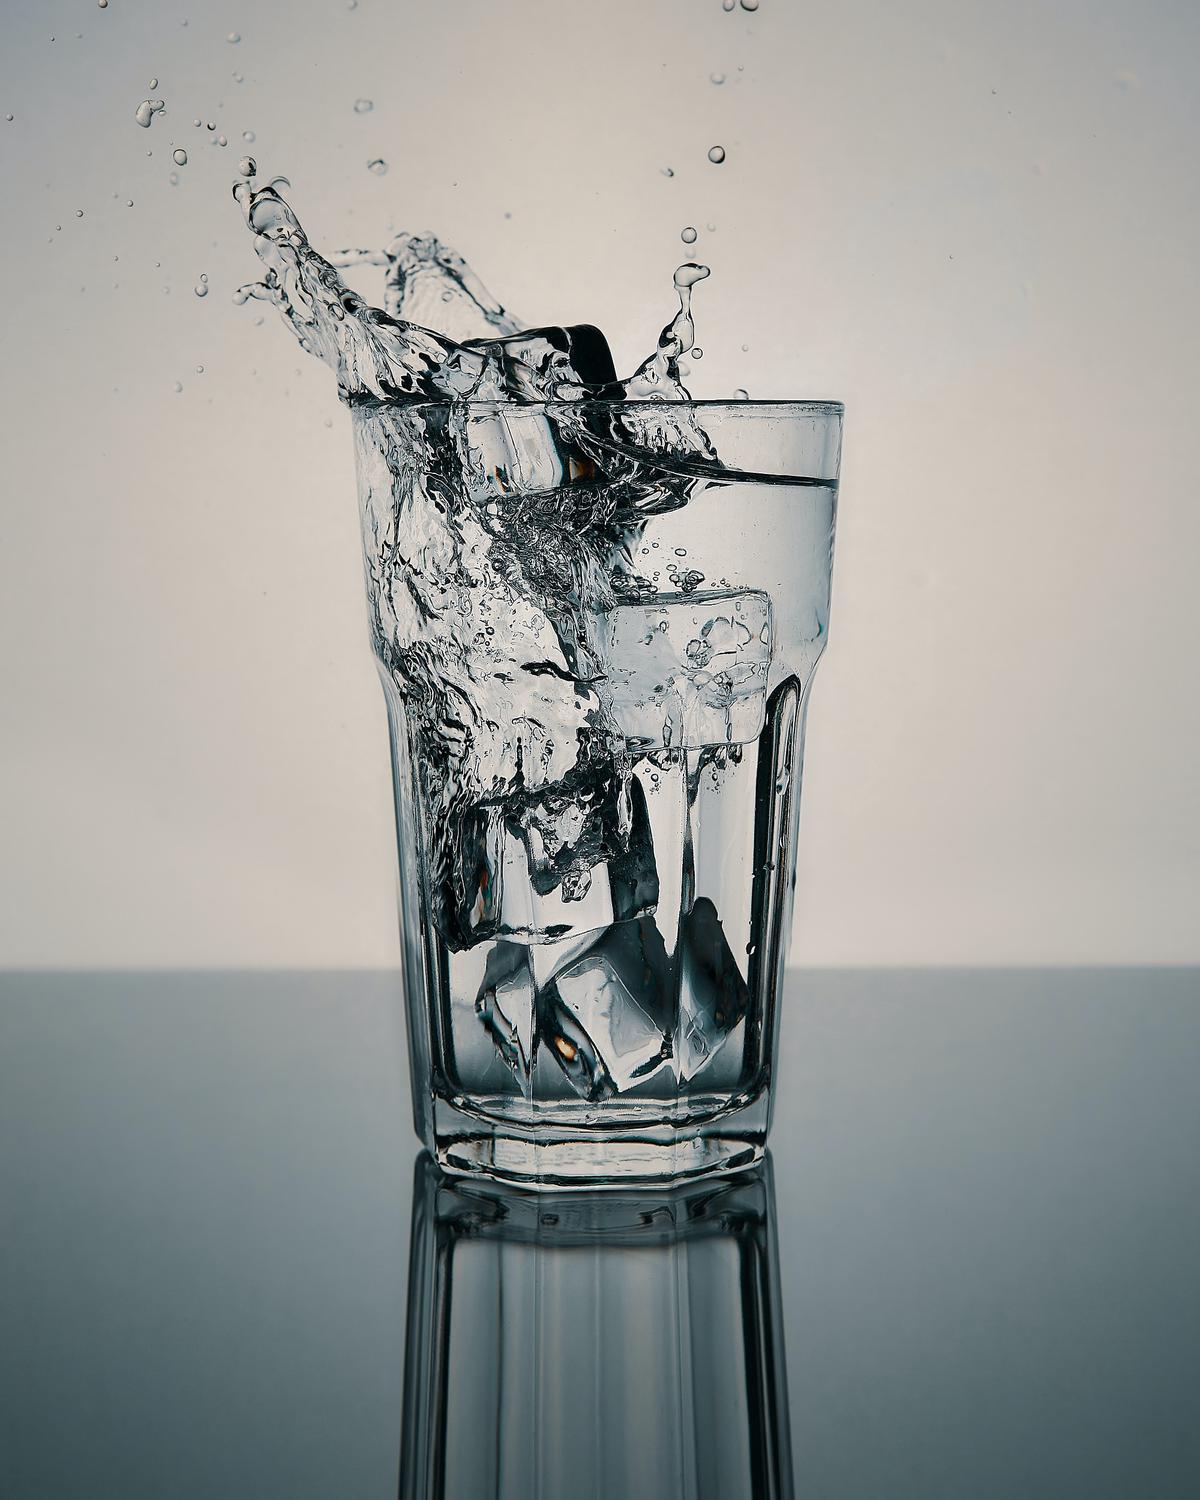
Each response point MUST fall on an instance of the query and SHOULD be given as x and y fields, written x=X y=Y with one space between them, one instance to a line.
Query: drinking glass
x=596 y=624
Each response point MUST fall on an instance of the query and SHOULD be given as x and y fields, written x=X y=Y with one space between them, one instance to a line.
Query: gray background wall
x=976 y=224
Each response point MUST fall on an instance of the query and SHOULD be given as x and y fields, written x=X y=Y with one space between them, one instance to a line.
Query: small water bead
x=248 y=136
x=233 y=37
x=199 y=369
x=745 y=348
x=728 y=4
x=749 y=4
x=222 y=140
x=173 y=179
x=8 y=117
x=211 y=125
x=716 y=155
x=129 y=203
x=154 y=83
x=146 y=111
x=363 y=106
x=668 y=171
x=179 y=157
x=247 y=166
x=697 y=353
x=239 y=77
x=680 y=551
x=741 y=394
x=688 y=235
x=378 y=166
x=103 y=4
x=178 y=387
x=717 y=78
x=200 y=289
x=79 y=213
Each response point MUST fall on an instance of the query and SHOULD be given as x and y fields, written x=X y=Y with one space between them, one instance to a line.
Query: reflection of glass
x=578 y=1345
x=596 y=625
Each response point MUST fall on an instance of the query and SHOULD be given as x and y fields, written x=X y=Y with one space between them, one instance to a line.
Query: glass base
x=557 y=1156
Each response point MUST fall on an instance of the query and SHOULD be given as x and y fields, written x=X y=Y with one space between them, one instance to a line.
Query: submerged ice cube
x=505 y=1005
x=713 y=995
x=545 y=875
x=605 y=1017
x=690 y=670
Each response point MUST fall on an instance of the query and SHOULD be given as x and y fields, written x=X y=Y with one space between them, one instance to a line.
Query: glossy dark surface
x=985 y=1231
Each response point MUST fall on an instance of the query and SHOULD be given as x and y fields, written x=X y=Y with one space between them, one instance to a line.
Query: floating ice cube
x=713 y=996
x=605 y=1016
x=690 y=670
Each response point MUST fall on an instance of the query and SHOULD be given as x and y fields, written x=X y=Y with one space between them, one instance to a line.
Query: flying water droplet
x=103 y=4
x=146 y=111
x=668 y=171
x=8 y=117
x=749 y=4
x=154 y=83
x=173 y=179
x=248 y=135
x=697 y=353
x=741 y=394
x=688 y=235
x=716 y=155
x=247 y=166
x=716 y=78
x=378 y=166
x=239 y=77
x=363 y=106
x=222 y=140
x=178 y=387
x=200 y=289
x=728 y=4
x=199 y=369
x=233 y=37
x=179 y=157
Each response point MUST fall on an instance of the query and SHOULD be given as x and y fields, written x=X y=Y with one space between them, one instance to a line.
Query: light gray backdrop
x=975 y=223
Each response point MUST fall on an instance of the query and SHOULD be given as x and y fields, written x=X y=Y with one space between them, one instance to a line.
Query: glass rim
x=805 y=408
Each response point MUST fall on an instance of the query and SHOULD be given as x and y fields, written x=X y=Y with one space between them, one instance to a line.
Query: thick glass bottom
x=558 y=1156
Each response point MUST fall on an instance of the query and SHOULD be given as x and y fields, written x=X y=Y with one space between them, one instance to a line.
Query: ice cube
x=541 y=874
x=605 y=1017
x=689 y=670
x=713 y=995
x=505 y=1005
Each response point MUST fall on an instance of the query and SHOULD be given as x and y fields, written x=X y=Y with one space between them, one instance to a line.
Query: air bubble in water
x=378 y=166
x=688 y=235
x=146 y=111
x=179 y=157
x=247 y=166
x=363 y=106
x=716 y=155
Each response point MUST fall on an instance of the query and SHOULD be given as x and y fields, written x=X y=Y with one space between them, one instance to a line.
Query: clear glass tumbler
x=596 y=624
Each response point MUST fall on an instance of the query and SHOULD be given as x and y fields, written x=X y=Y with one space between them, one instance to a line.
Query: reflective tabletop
x=969 y=1268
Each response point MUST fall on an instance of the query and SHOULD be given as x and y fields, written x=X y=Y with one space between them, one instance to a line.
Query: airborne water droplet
x=154 y=83
x=716 y=155
x=688 y=235
x=173 y=179
x=103 y=4
x=146 y=111
x=222 y=140
x=363 y=106
x=741 y=394
x=200 y=289
x=233 y=37
x=179 y=157
x=378 y=166
x=247 y=166
x=178 y=387
x=8 y=117
x=728 y=4
x=79 y=213
x=749 y=4
x=716 y=78
x=697 y=353
x=668 y=171
x=247 y=135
